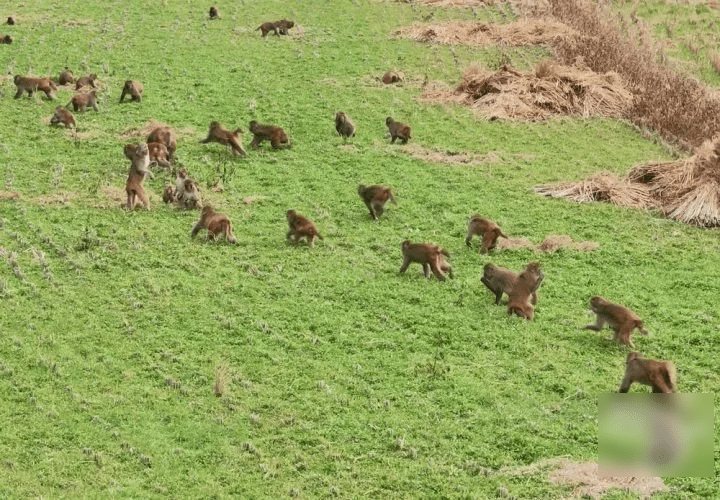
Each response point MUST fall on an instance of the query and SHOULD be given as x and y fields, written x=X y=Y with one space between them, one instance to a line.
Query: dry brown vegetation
x=551 y=243
x=686 y=190
x=551 y=89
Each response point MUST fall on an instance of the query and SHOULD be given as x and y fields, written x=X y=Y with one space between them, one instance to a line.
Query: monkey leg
x=19 y=93
x=130 y=200
x=144 y=199
x=436 y=271
x=468 y=238
x=392 y=139
x=533 y=298
x=405 y=265
x=370 y=209
x=379 y=209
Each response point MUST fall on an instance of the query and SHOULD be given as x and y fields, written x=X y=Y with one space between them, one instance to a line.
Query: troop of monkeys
x=521 y=288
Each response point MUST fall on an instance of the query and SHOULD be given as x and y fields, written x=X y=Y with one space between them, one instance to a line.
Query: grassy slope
x=344 y=376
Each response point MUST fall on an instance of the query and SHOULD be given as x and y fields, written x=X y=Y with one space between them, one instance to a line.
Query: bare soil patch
x=551 y=243
x=451 y=157
x=584 y=477
x=517 y=33
x=9 y=195
x=686 y=190
x=551 y=89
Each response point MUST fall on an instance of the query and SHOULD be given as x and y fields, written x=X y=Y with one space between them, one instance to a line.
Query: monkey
x=344 y=125
x=275 y=135
x=66 y=76
x=500 y=280
x=267 y=27
x=488 y=230
x=218 y=134
x=660 y=375
x=133 y=89
x=30 y=85
x=168 y=194
x=215 y=223
x=140 y=158
x=619 y=318
x=430 y=256
x=187 y=192
x=63 y=116
x=397 y=130
x=375 y=198
x=163 y=135
x=10 y=20
x=88 y=80
x=526 y=285
x=278 y=27
x=214 y=13
x=284 y=25
x=391 y=77
x=7 y=40
x=159 y=154
x=81 y=101
x=301 y=227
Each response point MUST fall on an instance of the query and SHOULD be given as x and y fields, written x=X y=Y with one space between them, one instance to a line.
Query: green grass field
x=342 y=377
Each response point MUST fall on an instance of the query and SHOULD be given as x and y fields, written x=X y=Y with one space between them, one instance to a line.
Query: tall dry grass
x=680 y=109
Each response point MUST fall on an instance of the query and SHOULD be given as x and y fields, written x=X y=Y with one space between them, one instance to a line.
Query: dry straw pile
x=686 y=190
x=551 y=89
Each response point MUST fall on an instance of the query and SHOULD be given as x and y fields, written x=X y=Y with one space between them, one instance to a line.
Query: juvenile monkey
x=397 y=130
x=391 y=77
x=140 y=160
x=214 y=13
x=81 y=101
x=86 y=81
x=163 y=135
x=66 y=76
x=500 y=280
x=215 y=223
x=275 y=135
x=278 y=27
x=133 y=89
x=526 y=285
x=159 y=154
x=431 y=257
x=187 y=193
x=344 y=125
x=219 y=134
x=486 y=229
x=7 y=40
x=301 y=227
x=30 y=85
x=283 y=25
x=10 y=20
x=660 y=375
x=375 y=198
x=619 y=318
x=64 y=117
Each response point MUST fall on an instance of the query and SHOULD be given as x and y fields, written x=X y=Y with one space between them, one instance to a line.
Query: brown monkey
x=391 y=77
x=301 y=227
x=266 y=28
x=62 y=116
x=133 y=89
x=283 y=25
x=88 y=81
x=10 y=20
x=30 y=85
x=500 y=280
x=526 y=285
x=488 y=230
x=375 y=198
x=619 y=318
x=215 y=223
x=7 y=40
x=344 y=125
x=168 y=194
x=81 y=101
x=660 y=375
x=66 y=76
x=218 y=134
x=278 y=27
x=430 y=256
x=187 y=192
x=275 y=135
x=163 y=135
x=397 y=130
x=140 y=158
x=214 y=13
x=159 y=154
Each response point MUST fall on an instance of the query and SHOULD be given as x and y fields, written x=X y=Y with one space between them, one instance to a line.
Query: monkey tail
x=500 y=233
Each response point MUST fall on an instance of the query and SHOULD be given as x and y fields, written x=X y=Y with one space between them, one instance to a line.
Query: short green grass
x=341 y=377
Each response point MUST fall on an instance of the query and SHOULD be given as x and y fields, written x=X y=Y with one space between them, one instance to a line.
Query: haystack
x=550 y=90
x=686 y=190
x=517 y=33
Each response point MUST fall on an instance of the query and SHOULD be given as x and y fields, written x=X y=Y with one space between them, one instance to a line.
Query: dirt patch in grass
x=551 y=89
x=451 y=157
x=9 y=195
x=517 y=33
x=249 y=200
x=112 y=197
x=54 y=199
x=551 y=243
x=584 y=477
x=686 y=190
